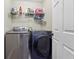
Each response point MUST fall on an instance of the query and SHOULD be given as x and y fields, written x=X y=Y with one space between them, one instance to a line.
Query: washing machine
x=40 y=45
x=16 y=44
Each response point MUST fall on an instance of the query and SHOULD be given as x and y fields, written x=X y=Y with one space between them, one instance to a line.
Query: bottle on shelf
x=20 y=10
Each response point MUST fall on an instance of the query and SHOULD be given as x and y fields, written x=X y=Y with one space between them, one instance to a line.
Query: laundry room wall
x=47 y=5
x=29 y=22
x=25 y=21
x=7 y=19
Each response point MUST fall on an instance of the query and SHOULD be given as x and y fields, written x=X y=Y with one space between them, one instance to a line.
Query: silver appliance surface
x=18 y=32
x=17 y=44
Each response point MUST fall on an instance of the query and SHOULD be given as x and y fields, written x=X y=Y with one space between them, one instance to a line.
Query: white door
x=63 y=29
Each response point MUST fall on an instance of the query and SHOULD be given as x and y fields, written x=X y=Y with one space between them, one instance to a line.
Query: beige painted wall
x=48 y=16
x=7 y=19
x=24 y=21
x=29 y=22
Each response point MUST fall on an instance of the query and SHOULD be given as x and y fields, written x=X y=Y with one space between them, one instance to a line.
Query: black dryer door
x=42 y=46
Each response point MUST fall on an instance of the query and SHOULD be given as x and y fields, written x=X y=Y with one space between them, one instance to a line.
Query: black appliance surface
x=40 y=45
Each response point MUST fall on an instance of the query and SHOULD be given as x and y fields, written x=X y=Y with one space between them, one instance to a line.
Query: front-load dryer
x=40 y=45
